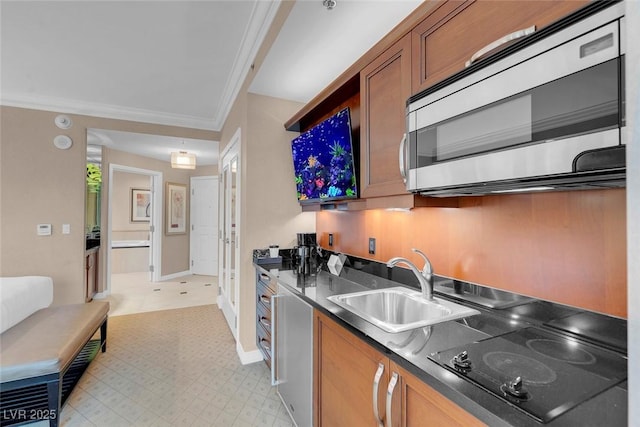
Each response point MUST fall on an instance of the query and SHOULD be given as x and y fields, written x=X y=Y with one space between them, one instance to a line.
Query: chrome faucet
x=425 y=277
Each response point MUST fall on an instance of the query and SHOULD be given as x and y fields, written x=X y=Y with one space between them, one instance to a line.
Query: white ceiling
x=154 y=146
x=176 y=62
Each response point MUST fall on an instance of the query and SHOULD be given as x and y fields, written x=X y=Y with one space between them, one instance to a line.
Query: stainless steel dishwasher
x=292 y=367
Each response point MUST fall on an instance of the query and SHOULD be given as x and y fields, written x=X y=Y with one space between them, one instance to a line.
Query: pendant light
x=183 y=160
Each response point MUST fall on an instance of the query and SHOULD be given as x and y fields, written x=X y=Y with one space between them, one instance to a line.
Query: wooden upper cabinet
x=448 y=37
x=385 y=85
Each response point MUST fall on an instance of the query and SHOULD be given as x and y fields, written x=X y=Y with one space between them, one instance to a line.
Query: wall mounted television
x=323 y=161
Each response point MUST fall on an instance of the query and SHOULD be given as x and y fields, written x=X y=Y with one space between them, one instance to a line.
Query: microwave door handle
x=401 y=158
x=509 y=37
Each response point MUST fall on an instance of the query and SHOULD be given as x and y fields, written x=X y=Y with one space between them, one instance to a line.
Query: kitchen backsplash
x=567 y=247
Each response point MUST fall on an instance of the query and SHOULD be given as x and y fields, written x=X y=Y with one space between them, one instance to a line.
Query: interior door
x=204 y=225
x=229 y=235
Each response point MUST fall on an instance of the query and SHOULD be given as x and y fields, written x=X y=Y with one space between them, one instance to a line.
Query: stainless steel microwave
x=545 y=113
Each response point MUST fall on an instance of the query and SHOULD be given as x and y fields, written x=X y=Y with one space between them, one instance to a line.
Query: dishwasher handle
x=274 y=340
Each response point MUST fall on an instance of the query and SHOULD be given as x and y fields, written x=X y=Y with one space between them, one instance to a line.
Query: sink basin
x=486 y=297
x=400 y=309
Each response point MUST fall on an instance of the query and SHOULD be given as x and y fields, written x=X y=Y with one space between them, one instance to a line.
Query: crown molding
x=69 y=106
x=259 y=24
x=261 y=18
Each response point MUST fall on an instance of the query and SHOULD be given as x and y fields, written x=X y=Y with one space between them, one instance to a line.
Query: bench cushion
x=48 y=340
x=22 y=296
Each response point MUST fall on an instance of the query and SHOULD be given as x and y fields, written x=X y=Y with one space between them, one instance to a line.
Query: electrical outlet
x=330 y=239
x=372 y=245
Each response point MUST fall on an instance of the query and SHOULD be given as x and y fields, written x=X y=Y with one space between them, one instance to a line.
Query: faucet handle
x=427 y=269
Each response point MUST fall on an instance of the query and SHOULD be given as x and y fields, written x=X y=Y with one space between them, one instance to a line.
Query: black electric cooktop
x=539 y=372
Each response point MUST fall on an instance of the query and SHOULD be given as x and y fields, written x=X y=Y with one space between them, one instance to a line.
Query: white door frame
x=191 y=239
x=233 y=148
x=156 y=219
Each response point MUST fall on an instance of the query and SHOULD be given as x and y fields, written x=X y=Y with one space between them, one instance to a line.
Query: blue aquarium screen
x=323 y=161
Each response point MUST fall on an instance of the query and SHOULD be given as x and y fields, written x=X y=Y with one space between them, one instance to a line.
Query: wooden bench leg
x=53 y=393
x=103 y=335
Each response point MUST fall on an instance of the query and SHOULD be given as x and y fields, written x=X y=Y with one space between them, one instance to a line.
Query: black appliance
x=305 y=252
x=539 y=372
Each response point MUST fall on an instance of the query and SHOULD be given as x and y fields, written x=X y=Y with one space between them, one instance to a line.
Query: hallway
x=133 y=293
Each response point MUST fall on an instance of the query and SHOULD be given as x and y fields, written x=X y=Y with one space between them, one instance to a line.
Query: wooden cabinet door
x=448 y=37
x=385 y=85
x=415 y=404
x=345 y=368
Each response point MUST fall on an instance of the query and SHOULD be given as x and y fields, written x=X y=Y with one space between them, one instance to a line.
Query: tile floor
x=174 y=367
x=134 y=293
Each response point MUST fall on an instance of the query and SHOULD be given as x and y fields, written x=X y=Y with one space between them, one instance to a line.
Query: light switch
x=66 y=228
x=43 y=229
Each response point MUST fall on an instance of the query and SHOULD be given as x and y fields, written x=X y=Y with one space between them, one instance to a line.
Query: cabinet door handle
x=390 y=389
x=263 y=345
x=401 y=158
x=265 y=299
x=265 y=322
x=497 y=43
x=376 y=385
x=265 y=277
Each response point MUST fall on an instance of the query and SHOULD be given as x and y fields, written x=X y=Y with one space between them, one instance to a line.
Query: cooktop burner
x=561 y=351
x=516 y=365
x=538 y=372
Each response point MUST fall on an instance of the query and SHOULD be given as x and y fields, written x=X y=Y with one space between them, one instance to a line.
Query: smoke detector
x=329 y=4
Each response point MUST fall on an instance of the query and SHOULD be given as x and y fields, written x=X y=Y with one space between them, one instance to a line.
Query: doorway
x=229 y=237
x=154 y=213
x=204 y=225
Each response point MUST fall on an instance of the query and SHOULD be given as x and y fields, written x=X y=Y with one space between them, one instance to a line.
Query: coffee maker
x=305 y=251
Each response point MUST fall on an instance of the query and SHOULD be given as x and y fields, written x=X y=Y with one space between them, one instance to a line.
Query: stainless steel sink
x=487 y=297
x=400 y=309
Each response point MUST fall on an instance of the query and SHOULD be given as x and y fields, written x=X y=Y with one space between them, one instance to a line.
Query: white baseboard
x=248 y=357
x=101 y=295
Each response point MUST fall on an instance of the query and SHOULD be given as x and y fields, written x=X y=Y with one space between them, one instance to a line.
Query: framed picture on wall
x=140 y=205
x=176 y=208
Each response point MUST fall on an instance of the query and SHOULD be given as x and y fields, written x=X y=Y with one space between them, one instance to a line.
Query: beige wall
x=41 y=184
x=122 y=228
x=270 y=212
x=211 y=170
x=269 y=209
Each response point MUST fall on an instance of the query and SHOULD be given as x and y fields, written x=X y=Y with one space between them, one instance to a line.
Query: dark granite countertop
x=92 y=249
x=411 y=349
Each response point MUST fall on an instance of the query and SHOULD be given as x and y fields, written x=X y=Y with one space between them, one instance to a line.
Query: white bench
x=43 y=355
